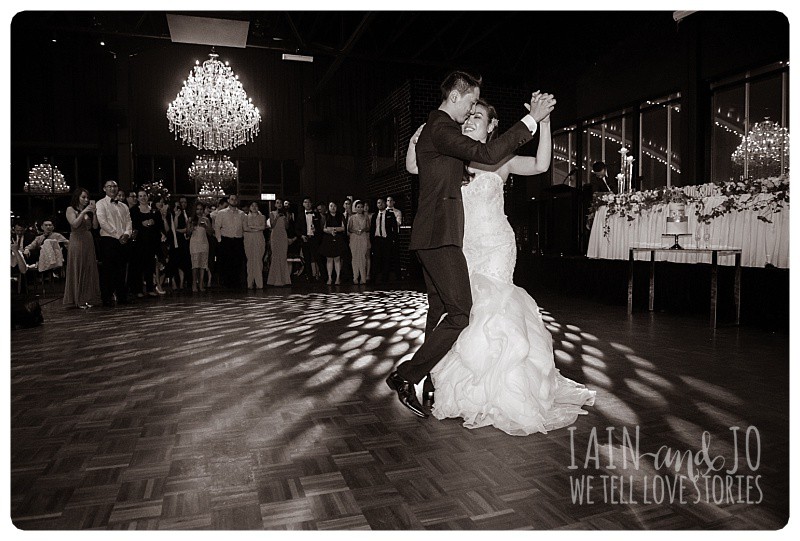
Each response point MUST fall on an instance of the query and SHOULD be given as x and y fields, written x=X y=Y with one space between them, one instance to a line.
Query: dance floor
x=268 y=410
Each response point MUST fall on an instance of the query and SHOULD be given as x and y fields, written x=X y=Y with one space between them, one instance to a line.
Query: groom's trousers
x=447 y=282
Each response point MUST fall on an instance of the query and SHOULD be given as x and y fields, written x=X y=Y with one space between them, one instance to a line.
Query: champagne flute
x=697 y=235
x=707 y=236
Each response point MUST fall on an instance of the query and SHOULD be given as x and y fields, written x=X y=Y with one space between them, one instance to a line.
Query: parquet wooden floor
x=268 y=410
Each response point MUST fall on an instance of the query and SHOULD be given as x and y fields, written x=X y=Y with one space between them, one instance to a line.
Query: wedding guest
x=254 y=245
x=279 y=270
x=358 y=229
x=322 y=210
x=183 y=261
x=384 y=230
x=132 y=199
x=165 y=227
x=21 y=237
x=82 y=286
x=333 y=243
x=212 y=243
x=115 y=232
x=308 y=229
x=398 y=215
x=199 y=231
x=369 y=214
x=347 y=257
x=600 y=181
x=228 y=228
x=122 y=197
x=31 y=251
x=147 y=226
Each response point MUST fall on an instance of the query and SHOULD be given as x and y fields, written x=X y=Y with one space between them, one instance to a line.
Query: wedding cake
x=677 y=221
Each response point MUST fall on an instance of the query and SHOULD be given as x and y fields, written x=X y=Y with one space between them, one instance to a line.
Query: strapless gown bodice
x=501 y=370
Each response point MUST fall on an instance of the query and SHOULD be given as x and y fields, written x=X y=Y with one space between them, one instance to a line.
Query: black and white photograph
x=430 y=267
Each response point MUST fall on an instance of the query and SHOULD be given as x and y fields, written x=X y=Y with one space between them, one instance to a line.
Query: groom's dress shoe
x=406 y=394
x=427 y=399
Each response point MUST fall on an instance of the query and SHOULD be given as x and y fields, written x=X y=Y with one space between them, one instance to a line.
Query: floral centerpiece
x=765 y=196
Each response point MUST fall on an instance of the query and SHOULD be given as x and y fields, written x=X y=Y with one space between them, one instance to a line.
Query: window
x=603 y=138
x=750 y=131
x=659 y=150
x=565 y=157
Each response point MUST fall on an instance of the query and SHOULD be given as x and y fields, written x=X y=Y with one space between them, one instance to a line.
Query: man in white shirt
x=115 y=233
x=228 y=228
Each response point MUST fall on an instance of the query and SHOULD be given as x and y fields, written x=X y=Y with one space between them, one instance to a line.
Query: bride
x=500 y=371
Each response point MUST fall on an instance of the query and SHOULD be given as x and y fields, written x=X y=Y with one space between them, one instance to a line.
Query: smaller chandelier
x=45 y=180
x=765 y=145
x=211 y=194
x=212 y=110
x=214 y=171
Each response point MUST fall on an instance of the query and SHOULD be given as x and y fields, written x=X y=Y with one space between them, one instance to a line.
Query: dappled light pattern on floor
x=268 y=411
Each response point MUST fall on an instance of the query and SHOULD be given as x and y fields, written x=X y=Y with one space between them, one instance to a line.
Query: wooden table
x=715 y=253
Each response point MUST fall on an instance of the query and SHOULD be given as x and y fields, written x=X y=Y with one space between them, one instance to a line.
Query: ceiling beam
x=296 y=33
x=399 y=32
x=345 y=52
x=435 y=37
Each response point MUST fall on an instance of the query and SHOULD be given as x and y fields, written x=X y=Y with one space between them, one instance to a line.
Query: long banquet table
x=761 y=242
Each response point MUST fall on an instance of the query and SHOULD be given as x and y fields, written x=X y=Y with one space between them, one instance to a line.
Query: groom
x=438 y=229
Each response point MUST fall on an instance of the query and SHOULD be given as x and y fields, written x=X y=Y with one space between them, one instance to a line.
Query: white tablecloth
x=760 y=242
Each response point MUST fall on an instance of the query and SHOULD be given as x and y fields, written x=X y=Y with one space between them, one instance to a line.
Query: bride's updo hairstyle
x=461 y=81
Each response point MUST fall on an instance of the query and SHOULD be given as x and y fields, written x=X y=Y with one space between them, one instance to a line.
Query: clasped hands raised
x=541 y=105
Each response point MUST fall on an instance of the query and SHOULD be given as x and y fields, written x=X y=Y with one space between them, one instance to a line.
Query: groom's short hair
x=461 y=81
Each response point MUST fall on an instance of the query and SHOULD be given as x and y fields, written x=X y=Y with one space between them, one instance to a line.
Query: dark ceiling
x=501 y=44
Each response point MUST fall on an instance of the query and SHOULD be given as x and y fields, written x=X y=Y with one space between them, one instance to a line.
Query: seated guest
x=31 y=251
x=20 y=238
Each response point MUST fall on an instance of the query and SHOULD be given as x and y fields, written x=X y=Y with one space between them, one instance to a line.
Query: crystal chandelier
x=214 y=170
x=210 y=194
x=45 y=180
x=765 y=146
x=212 y=110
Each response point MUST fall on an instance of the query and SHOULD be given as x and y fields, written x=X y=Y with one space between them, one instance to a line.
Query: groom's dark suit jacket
x=442 y=151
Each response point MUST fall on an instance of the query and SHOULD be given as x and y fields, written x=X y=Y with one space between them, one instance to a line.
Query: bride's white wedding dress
x=500 y=371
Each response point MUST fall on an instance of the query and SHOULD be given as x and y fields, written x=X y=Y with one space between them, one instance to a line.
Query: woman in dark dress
x=147 y=225
x=333 y=241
